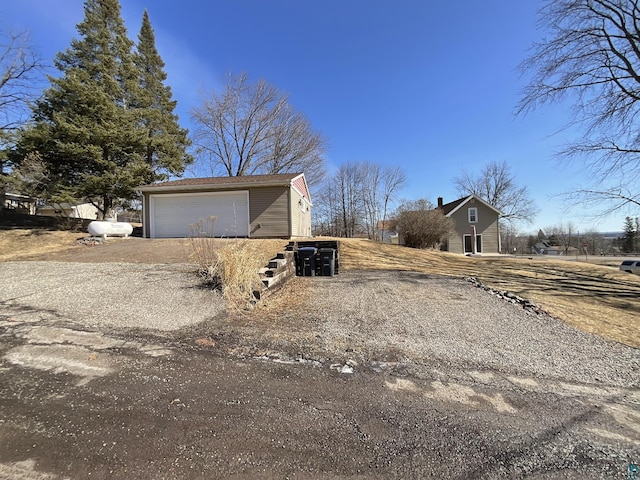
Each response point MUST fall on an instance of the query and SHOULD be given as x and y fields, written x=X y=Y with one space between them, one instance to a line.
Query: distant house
x=386 y=232
x=255 y=206
x=477 y=228
x=18 y=203
x=544 y=248
x=69 y=210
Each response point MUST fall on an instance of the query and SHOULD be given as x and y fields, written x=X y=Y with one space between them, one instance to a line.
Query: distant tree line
x=350 y=202
x=571 y=241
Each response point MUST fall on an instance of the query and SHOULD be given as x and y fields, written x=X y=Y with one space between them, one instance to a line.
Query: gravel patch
x=115 y=295
x=371 y=316
x=448 y=321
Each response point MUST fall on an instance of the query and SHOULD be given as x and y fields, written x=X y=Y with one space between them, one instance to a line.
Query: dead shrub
x=229 y=265
x=422 y=226
x=203 y=243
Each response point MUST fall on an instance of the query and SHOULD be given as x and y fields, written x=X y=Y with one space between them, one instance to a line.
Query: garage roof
x=277 y=179
x=212 y=183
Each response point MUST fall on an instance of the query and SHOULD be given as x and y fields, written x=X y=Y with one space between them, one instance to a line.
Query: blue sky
x=429 y=85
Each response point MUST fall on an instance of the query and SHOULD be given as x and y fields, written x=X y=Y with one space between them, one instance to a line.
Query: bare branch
x=591 y=58
x=251 y=129
x=497 y=186
x=603 y=203
x=20 y=69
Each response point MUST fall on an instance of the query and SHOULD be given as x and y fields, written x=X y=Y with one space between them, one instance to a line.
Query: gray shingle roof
x=247 y=179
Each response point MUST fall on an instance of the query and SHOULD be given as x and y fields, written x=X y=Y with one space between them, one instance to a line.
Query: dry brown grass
x=230 y=265
x=595 y=298
x=19 y=243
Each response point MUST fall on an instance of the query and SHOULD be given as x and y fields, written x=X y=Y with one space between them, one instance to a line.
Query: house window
x=473 y=215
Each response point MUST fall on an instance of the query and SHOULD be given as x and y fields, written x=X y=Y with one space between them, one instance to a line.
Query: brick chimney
x=440 y=202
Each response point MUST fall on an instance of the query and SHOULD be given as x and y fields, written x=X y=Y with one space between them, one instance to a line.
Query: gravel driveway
x=365 y=316
x=418 y=319
x=113 y=295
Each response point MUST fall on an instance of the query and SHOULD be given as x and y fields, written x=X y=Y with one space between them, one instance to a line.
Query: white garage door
x=172 y=215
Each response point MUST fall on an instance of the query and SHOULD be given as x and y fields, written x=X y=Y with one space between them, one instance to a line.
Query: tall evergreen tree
x=629 y=237
x=165 y=141
x=85 y=126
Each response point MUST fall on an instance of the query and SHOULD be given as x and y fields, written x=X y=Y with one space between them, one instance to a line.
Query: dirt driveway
x=364 y=375
x=126 y=250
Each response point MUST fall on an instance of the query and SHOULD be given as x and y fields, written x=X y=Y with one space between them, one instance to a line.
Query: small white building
x=18 y=203
x=68 y=210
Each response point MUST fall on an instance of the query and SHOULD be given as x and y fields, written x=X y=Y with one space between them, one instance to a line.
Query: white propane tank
x=104 y=229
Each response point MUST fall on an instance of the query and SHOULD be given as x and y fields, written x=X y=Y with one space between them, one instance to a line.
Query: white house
x=81 y=210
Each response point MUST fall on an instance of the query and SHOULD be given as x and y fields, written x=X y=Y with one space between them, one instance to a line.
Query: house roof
x=388 y=225
x=15 y=196
x=448 y=209
x=452 y=207
x=295 y=180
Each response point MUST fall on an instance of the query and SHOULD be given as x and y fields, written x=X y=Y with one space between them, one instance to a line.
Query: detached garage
x=256 y=206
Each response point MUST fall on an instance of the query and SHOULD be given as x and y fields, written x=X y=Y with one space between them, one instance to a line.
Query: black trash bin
x=327 y=260
x=306 y=262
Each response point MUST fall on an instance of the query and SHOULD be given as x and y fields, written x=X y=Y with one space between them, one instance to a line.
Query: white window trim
x=475 y=240
x=475 y=210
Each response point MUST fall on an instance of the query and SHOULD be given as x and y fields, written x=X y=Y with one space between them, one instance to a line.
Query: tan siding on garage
x=269 y=212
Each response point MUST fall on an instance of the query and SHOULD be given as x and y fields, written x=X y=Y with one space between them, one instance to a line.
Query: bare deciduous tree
x=379 y=185
x=371 y=179
x=356 y=197
x=563 y=234
x=515 y=242
x=591 y=57
x=252 y=129
x=393 y=180
x=326 y=219
x=349 y=180
x=497 y=186
x=20 y=67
